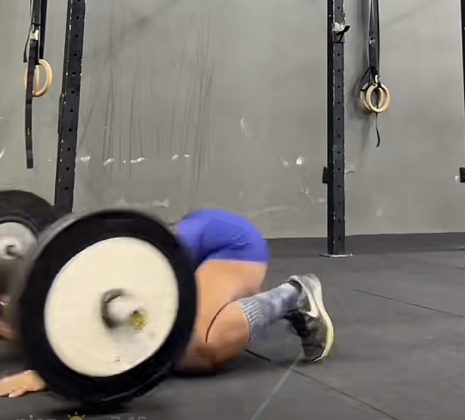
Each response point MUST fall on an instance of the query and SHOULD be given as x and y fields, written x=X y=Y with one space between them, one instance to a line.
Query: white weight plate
x=17 y=236
x=74 y=325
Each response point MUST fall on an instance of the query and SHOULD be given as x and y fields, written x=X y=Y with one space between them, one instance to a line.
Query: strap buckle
x=339 y=31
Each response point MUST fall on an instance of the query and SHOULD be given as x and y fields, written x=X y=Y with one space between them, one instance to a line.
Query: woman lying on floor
x=231 y=259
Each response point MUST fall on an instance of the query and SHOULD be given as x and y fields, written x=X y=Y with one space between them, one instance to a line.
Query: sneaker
x=311 y=321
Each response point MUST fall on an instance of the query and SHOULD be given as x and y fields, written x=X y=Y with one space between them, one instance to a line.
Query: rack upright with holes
x=462 y=5
x=69 y=106
x=462 y=11
x=334 y=174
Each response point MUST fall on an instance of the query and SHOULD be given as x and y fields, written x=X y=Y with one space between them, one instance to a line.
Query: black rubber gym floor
x=399 y=309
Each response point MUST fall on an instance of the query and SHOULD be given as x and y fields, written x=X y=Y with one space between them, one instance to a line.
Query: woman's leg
x=222 y=330
x=232 y=314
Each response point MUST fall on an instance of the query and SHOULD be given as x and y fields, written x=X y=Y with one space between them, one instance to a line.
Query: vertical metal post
x=69 y=105
x=462 y=9
x=335 y=171
x=462 y=4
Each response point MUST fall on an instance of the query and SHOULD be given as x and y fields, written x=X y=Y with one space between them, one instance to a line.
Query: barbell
x=104 y=304
x=23 y=216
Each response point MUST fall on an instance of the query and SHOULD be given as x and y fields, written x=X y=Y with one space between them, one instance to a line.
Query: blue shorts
x=221 y=235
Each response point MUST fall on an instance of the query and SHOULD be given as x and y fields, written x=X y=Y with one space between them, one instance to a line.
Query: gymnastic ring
x=384 y=104
x=363 y=98
x=37 y=93
x=384 y=96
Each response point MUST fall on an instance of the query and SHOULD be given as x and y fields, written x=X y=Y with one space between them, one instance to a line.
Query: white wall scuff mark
x=300 y=161
x=244 y=128
x=161 y=203
x=268 y=210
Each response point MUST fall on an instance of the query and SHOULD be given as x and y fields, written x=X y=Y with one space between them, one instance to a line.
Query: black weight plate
x=29 y=210
x=57 y=246
x=26 y=208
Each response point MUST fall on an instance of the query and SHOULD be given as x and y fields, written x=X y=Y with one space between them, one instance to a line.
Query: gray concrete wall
x=222 y=103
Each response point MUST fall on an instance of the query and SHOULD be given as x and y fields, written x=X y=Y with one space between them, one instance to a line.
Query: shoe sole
x=315 y=292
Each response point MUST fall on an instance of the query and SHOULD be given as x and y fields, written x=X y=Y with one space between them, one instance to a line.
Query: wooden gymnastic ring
x=39 y=92
x=363 y=98
x=384 y=104
x=384 y=96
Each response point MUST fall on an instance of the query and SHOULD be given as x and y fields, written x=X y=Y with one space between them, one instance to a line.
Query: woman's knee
x=225 y=339
x=208 y=358
x=198 y=359
x=205 y=357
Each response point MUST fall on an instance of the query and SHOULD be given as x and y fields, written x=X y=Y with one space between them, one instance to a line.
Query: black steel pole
x=335 y=171
x=462 y=4
x=69 y=106
x=462 y=9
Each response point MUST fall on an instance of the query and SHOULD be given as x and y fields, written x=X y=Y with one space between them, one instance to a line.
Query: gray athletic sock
x=264 y=309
